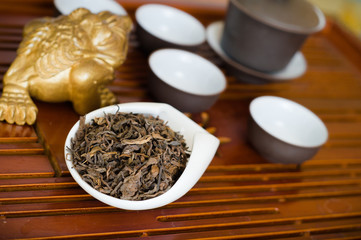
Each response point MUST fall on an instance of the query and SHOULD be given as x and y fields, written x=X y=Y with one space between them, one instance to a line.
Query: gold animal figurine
x=69 y=58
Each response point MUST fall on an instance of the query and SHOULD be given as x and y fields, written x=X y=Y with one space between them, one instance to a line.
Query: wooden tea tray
x=240 y=196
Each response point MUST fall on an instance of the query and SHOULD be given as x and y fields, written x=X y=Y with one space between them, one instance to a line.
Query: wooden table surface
x=240 y=196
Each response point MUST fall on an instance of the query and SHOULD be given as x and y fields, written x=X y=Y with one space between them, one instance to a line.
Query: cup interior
x=288 y=121
x=187 y=72
x=170 y=24
x=95 y=6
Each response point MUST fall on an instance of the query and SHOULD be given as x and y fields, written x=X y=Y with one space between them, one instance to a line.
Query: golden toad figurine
x=69 y=58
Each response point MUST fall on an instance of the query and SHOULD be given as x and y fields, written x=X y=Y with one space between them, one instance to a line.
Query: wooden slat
x=38 y=186
x=156 y=232
x=55 y=212
x=47 y=199
x=274 y=187
x=217 y=214
x=291 y=233
x=25 y=166
x=26 y=175
x=166 y=218
x=279 y=176
x=314 y=164
x=195 y=203
x=22 y=151
x=279 y=198
x=227 y=178
x=18 y=139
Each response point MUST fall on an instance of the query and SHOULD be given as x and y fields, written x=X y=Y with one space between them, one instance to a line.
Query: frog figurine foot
x=17 y=106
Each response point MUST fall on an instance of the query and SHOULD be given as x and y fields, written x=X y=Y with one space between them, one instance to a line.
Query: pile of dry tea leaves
x=128 y=156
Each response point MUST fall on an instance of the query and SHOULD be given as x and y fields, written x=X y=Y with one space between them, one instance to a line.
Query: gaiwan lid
x=298 y=16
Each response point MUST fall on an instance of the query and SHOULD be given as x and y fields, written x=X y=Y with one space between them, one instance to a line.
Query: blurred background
x=347 y=12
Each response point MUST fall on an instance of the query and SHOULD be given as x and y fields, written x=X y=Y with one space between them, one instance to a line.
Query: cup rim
x=177 y=11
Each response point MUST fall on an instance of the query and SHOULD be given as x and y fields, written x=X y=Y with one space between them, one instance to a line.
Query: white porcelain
x=296 y=67
x=170 y=24
x=65 y=7
x=185 y=80
x=202 y=146
x=288 y=121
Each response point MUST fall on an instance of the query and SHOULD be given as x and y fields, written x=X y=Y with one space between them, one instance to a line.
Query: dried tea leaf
x=129 y=156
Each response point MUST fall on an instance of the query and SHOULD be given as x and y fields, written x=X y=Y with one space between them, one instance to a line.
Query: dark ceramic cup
x=283 y=131
x=266 y=34
x=161 y=26
x=185 y=80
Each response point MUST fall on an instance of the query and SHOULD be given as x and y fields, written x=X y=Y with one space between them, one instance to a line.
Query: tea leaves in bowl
x=128 y=156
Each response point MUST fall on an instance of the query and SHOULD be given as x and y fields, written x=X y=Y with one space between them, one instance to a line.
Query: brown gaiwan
x=264 y=35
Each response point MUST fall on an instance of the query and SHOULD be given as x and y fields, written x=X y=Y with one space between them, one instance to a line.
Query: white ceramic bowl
x=161 y=26
x=65 y=7
x=202 y=146
x=185 y=80
x=284 y=131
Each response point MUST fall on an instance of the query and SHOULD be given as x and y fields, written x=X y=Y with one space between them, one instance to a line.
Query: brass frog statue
x=68 y=58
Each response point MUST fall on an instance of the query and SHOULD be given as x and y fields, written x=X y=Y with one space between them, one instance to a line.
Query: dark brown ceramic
x=283 y=131
x=185 y=80
x=266 y=34
x=183 y=101
x=275 y=150
x=150 y=42
x=294 y=69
